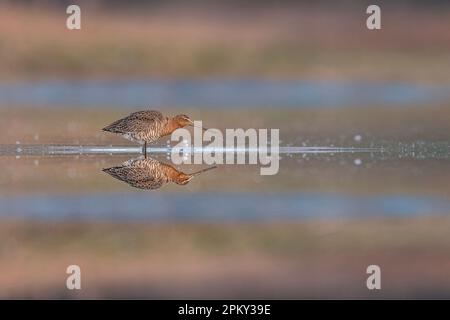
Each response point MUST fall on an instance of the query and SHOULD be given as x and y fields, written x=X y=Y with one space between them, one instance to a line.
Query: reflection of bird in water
x=148 y=126
x=150 y=173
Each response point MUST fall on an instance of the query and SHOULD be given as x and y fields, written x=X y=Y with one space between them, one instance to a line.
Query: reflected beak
x=203 y=170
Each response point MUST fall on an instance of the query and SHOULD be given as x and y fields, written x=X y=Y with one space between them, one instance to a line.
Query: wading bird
x=150 y=173
x=148 y=126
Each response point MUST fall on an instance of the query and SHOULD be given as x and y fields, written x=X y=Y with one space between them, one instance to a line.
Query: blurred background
x=311 y=69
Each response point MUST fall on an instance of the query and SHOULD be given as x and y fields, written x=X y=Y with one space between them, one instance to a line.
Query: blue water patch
x=216 y=207
x=215 y=93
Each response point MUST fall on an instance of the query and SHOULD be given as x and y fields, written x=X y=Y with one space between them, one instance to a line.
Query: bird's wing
x=136 y=176
x=150 y=183
x=136 y=121
x=147 y=115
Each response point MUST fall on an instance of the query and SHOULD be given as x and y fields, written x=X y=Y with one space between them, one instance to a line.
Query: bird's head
x=183 y=120
x=183 y=178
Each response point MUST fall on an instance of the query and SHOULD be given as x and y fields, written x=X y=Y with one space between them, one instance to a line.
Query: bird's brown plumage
x=142 y=126
x=149 y=173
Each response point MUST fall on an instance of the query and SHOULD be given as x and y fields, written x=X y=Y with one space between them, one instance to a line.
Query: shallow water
x=220 y=202
x=363 y=179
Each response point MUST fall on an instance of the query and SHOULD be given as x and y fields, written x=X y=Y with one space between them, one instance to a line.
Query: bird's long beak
x=203 y=170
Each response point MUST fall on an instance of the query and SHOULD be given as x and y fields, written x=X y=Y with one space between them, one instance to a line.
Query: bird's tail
x=109 y=128
x=114 y=172
x=113 y=127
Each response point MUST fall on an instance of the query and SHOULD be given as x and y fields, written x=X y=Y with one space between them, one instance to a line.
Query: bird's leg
x=144 y=149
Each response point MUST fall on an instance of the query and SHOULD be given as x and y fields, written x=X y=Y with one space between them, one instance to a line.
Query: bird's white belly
x=131 y=137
